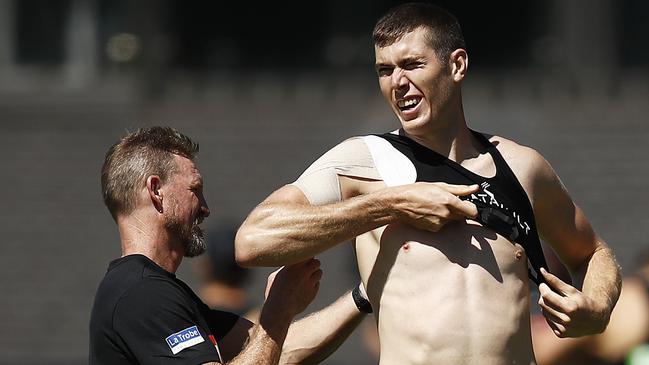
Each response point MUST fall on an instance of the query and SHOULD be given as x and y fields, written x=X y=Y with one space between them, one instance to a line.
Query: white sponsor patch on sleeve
x=184 y=339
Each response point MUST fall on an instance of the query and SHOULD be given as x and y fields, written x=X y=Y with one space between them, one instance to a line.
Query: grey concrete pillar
x=584 y=36
x=81 y=44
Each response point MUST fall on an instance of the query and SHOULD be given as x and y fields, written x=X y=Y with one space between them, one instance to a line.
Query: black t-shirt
x=145 y=315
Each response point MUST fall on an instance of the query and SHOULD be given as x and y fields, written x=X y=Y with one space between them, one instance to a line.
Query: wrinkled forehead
x=187 y=169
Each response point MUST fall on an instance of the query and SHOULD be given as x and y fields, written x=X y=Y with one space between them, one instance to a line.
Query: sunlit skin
x=164 y=225
x=187 y=206
x=161 y=225
x=409 y=70
x=445 y=289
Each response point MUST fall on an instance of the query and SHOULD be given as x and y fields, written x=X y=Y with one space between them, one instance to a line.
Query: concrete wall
x=258 y=132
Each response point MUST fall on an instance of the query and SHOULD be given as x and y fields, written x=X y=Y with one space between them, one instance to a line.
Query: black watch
x=362 y=304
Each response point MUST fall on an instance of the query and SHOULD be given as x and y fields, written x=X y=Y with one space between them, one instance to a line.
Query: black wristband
x=362 y=304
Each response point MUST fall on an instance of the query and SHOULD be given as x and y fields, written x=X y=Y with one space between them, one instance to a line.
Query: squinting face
x=186 y=207
x=413 y=81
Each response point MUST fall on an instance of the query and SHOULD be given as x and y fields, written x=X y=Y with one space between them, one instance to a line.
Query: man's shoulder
x=352 y=142
x=505 y=143
x=137 y=277
x=527 y=163
x=131 y=269
x=352 y=151
x=515 y=151
x=151 y=296
x=360 y=140
x=128 y=291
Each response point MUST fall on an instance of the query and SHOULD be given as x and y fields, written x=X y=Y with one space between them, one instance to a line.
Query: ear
x=153 y=187
x=459 y=64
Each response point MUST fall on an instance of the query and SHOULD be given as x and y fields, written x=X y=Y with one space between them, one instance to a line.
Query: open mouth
x=408 y=103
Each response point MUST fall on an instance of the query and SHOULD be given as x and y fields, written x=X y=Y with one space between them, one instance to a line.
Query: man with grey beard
x=143 y=314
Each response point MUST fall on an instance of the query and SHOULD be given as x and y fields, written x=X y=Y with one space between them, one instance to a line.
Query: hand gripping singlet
x=503 y=205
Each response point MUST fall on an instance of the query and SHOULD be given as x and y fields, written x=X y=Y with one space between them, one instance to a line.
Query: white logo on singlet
x=488 y=197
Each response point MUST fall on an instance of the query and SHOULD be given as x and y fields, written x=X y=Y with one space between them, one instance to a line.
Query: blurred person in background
x=444 y=219
x=144 y=314
x=223 y=283
x=626 y=338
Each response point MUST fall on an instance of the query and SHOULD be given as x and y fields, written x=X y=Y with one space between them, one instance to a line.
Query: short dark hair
x=445 y=34
x=145 y=152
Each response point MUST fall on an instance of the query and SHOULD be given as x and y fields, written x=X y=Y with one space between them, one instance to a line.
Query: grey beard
x=195 y=244
x=192 y=239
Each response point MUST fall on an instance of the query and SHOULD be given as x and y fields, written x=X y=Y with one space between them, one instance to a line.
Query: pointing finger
x=550 y=298
x=459 y=190
x=463 y=208
x=557 y=284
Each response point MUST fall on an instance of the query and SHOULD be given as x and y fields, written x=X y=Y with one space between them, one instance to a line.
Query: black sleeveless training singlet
x=503 y=205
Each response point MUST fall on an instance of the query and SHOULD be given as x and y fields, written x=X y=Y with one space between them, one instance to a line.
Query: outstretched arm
x=260 y=343
x=584 y=308
x=286 y=228
x=312 y=339
x=307 y=341
x=292 y=289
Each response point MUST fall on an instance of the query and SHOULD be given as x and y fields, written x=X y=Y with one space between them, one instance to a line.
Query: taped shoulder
x=319 y=182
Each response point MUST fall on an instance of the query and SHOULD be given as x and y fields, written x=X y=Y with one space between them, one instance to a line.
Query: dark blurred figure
x=625 y=340
x=223 y=283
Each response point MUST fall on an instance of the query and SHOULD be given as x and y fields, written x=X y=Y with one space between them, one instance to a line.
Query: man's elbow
x=244 y=248
x=245 y=252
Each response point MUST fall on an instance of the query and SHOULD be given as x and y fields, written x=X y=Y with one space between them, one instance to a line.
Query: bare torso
x=457 y=296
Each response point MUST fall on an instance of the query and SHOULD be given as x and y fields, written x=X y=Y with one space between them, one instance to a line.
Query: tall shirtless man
x=444 y=219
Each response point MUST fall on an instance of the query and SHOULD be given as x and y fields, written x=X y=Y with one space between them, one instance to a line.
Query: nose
x=205 y=210
x=399 y=79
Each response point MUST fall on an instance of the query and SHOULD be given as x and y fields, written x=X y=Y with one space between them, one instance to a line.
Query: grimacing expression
x=186 y=207
x=416 y=85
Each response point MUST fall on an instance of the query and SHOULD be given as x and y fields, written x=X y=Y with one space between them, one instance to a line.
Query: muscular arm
x=340 y=196
x=307 y=341
x=261 y=344
x=595 y=272
x=286 y=228
x=289 y=291
x=601 y=282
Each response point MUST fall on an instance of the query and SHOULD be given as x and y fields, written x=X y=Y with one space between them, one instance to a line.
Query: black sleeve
x=220 y=322
x=163 y=325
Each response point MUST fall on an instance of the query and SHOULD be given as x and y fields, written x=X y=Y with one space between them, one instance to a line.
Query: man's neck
x=141 y=237
x=452 y=140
